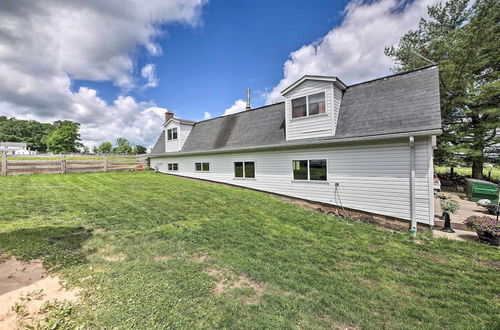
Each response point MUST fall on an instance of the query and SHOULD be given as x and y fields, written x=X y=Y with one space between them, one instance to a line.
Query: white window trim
x=171 y=130
x=307 y=106
x=244 y=177
x=172 y=170
x=201 y=167
x=309 y=171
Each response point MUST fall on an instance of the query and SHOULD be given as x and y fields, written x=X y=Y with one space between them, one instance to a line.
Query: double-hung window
x=202 y=167
x=172 y=133
x=173 y=166
x=244 y=169
x=310 y=169
x=309 y=105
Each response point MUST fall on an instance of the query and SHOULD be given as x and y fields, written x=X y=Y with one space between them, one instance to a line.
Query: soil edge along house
x=366 y=147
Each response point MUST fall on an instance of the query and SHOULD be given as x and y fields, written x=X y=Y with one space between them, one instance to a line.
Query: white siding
x=183 y=131
x=315 y=126
x=172 y=145
x=372 y=177
x=337 y=98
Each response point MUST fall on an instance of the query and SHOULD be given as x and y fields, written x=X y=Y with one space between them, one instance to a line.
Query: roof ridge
x=240 y=112
x=395 y=75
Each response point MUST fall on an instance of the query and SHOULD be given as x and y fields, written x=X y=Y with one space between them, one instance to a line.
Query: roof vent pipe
x=248 y=99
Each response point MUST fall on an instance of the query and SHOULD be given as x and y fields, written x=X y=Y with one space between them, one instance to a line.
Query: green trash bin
x=480 y=189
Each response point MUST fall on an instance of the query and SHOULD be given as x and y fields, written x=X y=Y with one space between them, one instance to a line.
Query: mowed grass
x=155 y=251
x=467 y=171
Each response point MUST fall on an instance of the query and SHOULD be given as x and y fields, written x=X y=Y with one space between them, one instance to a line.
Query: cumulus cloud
x=45 y=45
x=238 y=106
x=148 y=73
x=354 y=51
x=207 y=115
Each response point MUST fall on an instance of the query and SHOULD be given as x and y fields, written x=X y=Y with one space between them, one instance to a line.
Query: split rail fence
x=62 y=164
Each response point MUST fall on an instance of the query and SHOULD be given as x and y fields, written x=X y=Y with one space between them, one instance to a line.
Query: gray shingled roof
x=159 y=146
x=400 y=103
x=260 y=126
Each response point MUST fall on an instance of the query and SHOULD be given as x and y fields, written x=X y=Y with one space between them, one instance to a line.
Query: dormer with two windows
x=176 y=132
x=312 y=107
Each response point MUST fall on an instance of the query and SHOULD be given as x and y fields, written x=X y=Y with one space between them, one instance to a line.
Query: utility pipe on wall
x=413 y=212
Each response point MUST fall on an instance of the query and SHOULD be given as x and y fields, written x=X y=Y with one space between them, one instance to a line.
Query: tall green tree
x=30 y=132
x=122 y=147
x=105 y=148
x=464 y=40
x=65 y=138
x=139 y=150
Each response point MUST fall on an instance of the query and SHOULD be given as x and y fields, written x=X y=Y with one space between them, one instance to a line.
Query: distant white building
x=16 y=148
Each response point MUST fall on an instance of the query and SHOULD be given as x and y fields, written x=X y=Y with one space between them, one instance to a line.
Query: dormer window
x=309 y=105
x=172 y=133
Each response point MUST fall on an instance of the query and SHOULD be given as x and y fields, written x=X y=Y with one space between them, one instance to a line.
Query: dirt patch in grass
x=489 y=263
x=368 y=281
x=26 y=291
x=107 y=253
x=434 y=257
x=162 y=258
x=114 y=257
x=199 y=257
x=99 y=230
x=228 y=282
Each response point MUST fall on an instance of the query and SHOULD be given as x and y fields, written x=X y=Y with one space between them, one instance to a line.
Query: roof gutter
x=413 y=208
x=285 y=146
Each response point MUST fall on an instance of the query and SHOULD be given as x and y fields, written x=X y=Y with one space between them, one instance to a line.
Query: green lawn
x=155 y=251
x=467 y=171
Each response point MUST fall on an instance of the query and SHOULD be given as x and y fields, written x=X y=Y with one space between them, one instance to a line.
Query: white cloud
x=45 y=45
x=238 y=106
x=148 y=73
x=207 y=115
x=354 y=51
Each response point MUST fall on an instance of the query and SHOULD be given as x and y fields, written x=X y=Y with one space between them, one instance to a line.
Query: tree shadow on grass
x=58 y=247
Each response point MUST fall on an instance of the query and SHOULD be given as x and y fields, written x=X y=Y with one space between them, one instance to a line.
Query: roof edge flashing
x=298 y=144
x=332 y=79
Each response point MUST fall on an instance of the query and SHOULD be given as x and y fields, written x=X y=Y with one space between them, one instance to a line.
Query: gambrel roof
x=401 y=103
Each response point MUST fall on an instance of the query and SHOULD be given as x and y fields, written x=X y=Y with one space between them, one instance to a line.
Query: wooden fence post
x=105 y=163
x=63 y=164
x=4 y=163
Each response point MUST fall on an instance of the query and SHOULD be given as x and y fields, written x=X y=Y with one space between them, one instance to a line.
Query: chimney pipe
x=248 y=99
x=168 y=115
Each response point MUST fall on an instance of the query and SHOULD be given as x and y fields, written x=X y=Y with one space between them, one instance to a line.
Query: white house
x=16 y=148
x=366 y=147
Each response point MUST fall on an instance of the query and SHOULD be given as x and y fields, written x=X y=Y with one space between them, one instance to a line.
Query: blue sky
x=116 y=66
x=237 y=45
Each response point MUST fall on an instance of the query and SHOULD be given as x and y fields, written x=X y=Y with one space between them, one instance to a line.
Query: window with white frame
x=310 y=169
x=172 y=133
x=173 y=166
x=244 y=169
x=309 y=105
x=202 y=167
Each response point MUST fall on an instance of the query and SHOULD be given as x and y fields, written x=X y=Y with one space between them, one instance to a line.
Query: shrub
x=483 y=224
x=449 y=206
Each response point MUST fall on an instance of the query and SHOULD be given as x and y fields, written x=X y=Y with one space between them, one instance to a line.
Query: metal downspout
x=413 y=216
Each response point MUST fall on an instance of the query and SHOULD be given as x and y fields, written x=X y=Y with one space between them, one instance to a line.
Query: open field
x=150 y=250
x=467 y=171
